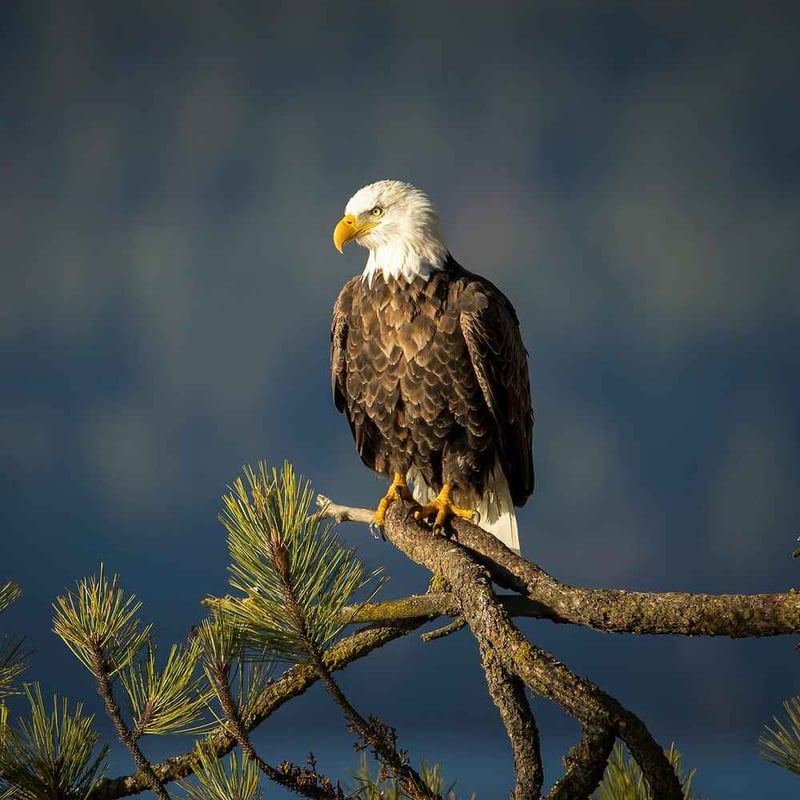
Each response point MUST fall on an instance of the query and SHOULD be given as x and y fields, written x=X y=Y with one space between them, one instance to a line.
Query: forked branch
x=494 y=630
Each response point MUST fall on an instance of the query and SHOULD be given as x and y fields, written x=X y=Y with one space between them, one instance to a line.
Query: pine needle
x=12 y=654
x=9 y=592
x=241 y=781
x=169 y=700
x=50 y=754
x=98 y=615
x=781 y=745
x=369 y=787
x=623 y=779
x=293 y=574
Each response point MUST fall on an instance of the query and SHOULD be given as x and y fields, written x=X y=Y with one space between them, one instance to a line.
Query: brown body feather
x=433 y=378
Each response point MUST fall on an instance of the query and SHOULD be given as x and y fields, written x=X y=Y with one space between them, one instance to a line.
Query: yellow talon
x=398 y=490
x=441 y=508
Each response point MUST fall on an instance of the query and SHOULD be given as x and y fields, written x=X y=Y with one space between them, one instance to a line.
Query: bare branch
x=609 y=610
x=327 y=508
x=617 y=610
x=452 y=627
x=585 y=764
x=438 y=604
x=508 y=694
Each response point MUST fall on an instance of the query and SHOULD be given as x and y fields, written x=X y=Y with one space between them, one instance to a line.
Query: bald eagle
x=428 y=365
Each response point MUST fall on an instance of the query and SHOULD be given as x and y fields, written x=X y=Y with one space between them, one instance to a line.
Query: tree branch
x=608 y=610
x=307 y=783
x=585 y=764
x=431 y=606
x=106 y=691
x=508 y=694
x=546 y=676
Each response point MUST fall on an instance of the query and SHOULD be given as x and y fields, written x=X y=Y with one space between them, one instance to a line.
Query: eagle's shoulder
x=476 y=294
x=344 y=301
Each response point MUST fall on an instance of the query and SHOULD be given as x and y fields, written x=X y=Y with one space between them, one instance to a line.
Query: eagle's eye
x=376 y=212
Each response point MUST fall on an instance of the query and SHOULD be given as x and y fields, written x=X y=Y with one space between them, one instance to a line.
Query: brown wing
x=361 y=425
x=341 y=310
x=491 y=331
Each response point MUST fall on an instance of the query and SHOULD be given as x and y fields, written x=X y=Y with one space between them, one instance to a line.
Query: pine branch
x=453 y=627
x=431 y=605
x=296 y=578
x=102 y=629
x=102 y=672
x=98 y=616
x=381 y=738
x=294 y=682
x=221 y=641
x=273 y=539
x=781 y=745
x=49 y=754
x=168 y=700
x=307 y=783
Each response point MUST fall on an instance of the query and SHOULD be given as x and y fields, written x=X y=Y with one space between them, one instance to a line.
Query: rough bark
x=508 y=694
x=610 y=610
x=493 y=628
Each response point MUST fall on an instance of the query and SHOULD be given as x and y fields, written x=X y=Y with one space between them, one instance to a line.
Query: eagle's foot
x=441 y=509
x=398 y=490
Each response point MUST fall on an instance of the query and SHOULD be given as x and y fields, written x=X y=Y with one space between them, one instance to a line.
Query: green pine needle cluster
x=50 y=754
x=781 y=745
x=293 y=574
x=98 y=616
x=9 y=592
x=12 y=655
x=241 y=781
x=169 y=700
x=374 y=787
x=624 y=780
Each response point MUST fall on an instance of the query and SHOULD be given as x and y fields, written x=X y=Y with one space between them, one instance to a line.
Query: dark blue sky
x=628 y=173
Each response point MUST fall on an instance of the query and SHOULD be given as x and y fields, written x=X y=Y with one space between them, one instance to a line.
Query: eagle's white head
x=399 y=226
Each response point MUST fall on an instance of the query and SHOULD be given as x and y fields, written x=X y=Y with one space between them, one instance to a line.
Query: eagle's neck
x=405 y=259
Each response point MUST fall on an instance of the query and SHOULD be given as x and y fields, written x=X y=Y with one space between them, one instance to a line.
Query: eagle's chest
x=406 y=353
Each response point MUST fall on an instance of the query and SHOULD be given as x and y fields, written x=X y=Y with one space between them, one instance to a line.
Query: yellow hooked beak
x=347 y=229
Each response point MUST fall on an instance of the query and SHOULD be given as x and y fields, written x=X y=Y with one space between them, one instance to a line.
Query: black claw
x=376 y=531
x=476 y=517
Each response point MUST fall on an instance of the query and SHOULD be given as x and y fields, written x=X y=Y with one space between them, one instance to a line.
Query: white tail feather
x=495 y=507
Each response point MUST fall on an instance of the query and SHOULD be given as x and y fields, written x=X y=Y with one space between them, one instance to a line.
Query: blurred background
x=629 y=174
